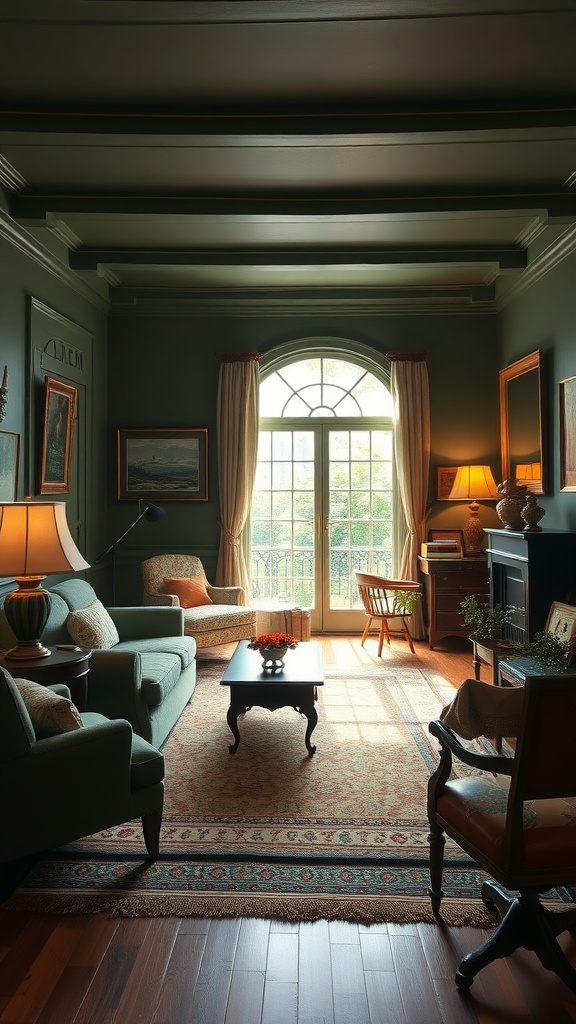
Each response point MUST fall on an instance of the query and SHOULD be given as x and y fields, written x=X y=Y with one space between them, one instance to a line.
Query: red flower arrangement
x=267 y=640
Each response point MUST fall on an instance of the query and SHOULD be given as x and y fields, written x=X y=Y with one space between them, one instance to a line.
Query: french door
x=322 y=508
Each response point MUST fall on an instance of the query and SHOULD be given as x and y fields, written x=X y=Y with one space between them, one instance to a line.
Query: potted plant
x=405 y=601
x=485 y=622
x=548 y=650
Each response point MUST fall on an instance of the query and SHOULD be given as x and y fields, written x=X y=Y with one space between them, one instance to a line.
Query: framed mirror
x=521 y=423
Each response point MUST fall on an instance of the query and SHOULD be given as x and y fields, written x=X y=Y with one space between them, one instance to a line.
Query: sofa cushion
x=182 y=646
x=49 y=713
x=190 y=590
x=160 y=674
x=93 y=627
x=219 y=616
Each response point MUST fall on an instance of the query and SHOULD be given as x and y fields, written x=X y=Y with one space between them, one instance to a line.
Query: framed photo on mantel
x=163 y=465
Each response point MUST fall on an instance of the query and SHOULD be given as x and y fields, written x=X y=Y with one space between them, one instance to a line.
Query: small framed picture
x=562 y=622
x=445 y=477
x=451 y=538
x=9 y=460
x=163 y=465
x=58 y=433
x=567 y=402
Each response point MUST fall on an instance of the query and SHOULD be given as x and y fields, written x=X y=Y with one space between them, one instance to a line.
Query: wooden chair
x=382 y=603
x=520 y=829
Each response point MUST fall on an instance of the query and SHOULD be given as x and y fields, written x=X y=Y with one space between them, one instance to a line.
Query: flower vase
x=273 y=657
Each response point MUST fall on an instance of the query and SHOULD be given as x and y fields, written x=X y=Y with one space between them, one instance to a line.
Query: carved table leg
x=232 y=718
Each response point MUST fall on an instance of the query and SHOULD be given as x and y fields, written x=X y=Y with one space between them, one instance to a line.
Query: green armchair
x=58 y=786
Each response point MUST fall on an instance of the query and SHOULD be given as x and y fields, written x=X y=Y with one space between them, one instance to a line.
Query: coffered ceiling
x=370 y=155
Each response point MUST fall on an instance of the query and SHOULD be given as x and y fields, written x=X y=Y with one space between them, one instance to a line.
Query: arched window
x=323 y=499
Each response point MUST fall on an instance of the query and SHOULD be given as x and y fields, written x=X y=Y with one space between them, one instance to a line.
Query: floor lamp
x=152 y=513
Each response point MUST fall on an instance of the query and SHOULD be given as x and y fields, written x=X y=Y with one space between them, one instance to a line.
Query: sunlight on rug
x=272 y=832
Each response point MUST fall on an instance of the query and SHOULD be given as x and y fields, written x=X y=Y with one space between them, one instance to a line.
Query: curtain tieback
x=229 y=536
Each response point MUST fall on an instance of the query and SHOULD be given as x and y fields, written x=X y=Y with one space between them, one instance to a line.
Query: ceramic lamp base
x=27 y=610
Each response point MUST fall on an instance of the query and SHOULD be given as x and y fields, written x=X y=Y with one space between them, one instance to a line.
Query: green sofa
x=147 y=678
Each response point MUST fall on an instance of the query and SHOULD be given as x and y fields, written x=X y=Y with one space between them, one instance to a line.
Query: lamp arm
x=121 y=537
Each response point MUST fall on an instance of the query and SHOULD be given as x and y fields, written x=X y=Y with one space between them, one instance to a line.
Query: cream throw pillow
x=93 y=627
x=49 y=713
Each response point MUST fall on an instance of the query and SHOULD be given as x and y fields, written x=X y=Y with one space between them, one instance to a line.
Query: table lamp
x=35 y=541
x=474 y=484
x=528 y=473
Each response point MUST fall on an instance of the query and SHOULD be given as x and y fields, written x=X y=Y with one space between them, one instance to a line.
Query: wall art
x=57 y=436
x=163 y=465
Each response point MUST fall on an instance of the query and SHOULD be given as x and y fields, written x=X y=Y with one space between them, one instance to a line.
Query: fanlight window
x=323 y=387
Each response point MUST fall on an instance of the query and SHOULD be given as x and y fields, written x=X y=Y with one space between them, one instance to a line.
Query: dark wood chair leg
x=525 y=923
x=151 y=824
x=436 y=842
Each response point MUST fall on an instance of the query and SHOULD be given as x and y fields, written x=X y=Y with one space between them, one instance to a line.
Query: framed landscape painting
x=57 y=436
x=9 y=458
x=163 y=465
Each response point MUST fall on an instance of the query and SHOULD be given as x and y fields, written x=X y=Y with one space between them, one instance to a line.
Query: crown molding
x=557 y=252
x=15 y=235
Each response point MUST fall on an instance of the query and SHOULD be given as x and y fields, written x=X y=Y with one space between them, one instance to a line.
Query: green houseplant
x=405 y=601
x=485 y=622
x=548 y=650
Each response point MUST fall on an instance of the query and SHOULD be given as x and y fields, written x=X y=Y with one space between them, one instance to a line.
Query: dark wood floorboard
x=95 y=970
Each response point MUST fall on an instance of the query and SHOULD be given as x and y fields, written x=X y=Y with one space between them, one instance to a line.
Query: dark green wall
x=545 y=318
x=163 y=372
x=23 y=277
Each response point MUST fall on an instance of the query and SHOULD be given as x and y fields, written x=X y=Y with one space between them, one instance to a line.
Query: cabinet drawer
x=469 y=583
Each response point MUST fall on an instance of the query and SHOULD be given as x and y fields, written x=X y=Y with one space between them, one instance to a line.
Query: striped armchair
x=221 y=621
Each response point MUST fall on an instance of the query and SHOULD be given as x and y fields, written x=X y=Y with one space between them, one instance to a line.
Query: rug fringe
x=363 y=910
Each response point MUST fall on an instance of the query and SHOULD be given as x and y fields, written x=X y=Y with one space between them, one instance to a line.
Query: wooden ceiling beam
x=35 y=207
x=506 y=257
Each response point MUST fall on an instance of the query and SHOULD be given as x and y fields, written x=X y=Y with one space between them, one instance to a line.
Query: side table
x=491 y=652
x=60 y=666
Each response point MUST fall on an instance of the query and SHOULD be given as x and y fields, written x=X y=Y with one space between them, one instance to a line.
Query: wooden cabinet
x=530 y=571
x=447 y=581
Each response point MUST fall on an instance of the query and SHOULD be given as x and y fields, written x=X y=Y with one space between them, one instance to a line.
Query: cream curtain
x=237 y=427
x=410 y=393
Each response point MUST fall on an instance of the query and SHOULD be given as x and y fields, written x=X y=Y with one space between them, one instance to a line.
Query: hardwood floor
x=96 y=970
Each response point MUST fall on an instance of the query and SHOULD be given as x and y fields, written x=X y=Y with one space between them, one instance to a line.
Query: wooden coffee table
x=294 y=686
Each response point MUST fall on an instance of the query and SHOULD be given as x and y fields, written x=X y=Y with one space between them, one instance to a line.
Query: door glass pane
x=282 y=537
x=360 y=504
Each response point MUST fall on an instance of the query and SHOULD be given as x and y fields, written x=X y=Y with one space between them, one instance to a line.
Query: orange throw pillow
x=191 y=590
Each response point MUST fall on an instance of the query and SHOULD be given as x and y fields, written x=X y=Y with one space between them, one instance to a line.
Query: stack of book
x=442 y=548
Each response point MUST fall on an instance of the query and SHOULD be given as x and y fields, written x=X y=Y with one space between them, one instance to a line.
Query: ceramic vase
x=532 y=513
x=510 y=506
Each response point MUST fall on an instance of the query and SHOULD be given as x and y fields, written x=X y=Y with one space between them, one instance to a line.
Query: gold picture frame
x=562 y=622
x=59 y=417
x=567 y=404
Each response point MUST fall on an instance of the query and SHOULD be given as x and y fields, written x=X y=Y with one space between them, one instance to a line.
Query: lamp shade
x=35 y=539
x=528 y=471
x=474 y=483
x=34 y=542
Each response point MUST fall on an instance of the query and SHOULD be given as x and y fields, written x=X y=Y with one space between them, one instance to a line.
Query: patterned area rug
x=272 y=832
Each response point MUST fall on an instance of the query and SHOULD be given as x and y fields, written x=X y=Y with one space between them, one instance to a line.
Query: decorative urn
x=510 y=506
